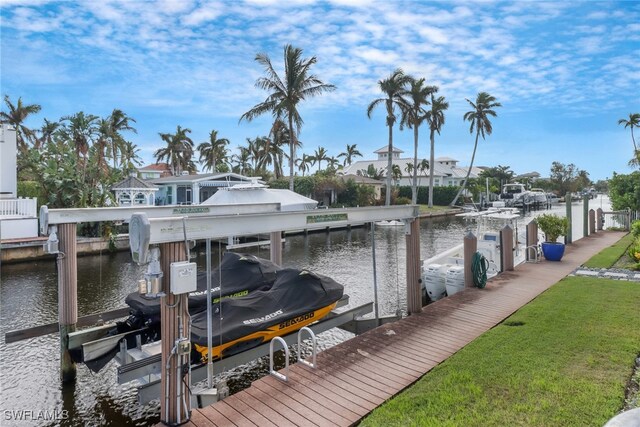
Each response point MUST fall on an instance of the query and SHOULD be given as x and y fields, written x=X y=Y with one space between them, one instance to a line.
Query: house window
x=140 y=199
x=183 y=195
x=169 y=195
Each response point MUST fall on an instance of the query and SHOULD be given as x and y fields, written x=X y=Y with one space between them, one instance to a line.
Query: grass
x=608 y=257
x=435 y=209
x=562 y=360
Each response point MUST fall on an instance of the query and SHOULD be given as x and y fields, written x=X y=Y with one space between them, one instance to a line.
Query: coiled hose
x=479 y=267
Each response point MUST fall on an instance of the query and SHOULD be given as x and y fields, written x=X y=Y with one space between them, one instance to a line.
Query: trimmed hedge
x=442 y=196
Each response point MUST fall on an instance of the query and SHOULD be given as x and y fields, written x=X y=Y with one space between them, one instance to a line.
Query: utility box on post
x=183 y=277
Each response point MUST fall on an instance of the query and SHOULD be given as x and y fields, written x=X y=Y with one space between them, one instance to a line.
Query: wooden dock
x=358 y=375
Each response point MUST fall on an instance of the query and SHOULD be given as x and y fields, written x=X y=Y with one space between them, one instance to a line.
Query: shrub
x=402 y=201
x=635 y=228
x=552 y=226
x=442 y=196
x=634 y=250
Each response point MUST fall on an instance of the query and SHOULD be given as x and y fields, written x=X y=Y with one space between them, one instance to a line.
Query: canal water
x=28 y=297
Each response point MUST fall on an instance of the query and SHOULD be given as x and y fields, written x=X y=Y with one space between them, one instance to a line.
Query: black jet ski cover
x=294 y=293
x=238 y=273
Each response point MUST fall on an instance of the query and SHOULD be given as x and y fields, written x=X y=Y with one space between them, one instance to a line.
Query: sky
x=564 y=72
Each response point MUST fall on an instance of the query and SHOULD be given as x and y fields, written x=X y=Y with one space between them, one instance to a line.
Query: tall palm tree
x=435 y=118
x=413 y=115
x=422 y=167
x=129 y=157
x=286 y=93
x=332 y=162
x=634 y=121
x=349 y=154
x=304 y=163
x=213 y=153
x=394 y=88
x=479 y=119
x=16 y=116
x=279 y=134
x=178 y=151
x=241 y=160
x=319 y=155
x=80 y=129
x=118 y=122
x=47 y=131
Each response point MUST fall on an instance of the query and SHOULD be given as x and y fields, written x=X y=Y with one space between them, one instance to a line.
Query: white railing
x=19 y=208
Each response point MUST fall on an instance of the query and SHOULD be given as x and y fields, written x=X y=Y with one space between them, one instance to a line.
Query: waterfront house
x=194 y=189
x=446 y=169
x=155 y=171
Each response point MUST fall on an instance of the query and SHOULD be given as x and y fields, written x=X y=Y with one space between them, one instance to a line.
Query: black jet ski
x=237 y=276
x=296 y=299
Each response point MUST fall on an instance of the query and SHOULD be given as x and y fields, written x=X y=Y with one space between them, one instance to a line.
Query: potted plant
x=553 y=227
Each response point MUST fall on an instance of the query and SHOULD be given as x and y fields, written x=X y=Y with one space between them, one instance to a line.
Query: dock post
x=532 y=237
x=470 y=247
x=506 y=243
x=173 y=313
x=599 y=221
x=585 y=216
x=412 y=240
x=592 y=221
x=67 y=296
x=276 y=247
x=567 y=200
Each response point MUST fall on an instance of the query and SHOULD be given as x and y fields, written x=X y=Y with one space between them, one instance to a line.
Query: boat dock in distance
x=354 y=377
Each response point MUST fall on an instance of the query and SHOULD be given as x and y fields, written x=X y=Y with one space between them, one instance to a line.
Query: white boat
x=443 y=274
x=515 y=195
x=539 y=196
x=392 y=223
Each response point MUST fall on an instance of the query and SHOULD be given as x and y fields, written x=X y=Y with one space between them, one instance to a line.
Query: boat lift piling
x=276 y=247
x=67 y=296
x=599 y=219
x=470 y=246
x=506 y=245
x=592 y=221
x=414 y=281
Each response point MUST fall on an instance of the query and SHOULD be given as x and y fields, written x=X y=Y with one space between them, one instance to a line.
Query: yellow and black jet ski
x=296 y=299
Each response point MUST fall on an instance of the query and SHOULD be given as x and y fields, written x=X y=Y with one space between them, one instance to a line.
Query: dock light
x=154 y=274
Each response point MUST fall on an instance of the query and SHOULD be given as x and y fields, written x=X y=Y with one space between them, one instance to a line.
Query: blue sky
x=565 y=72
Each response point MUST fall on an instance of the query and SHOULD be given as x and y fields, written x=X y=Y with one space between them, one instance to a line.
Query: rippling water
x=28 y=295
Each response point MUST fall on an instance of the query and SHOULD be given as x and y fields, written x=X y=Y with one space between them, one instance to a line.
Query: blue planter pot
x=553 y=251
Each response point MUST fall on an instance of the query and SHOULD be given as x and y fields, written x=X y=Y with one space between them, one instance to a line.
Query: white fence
x=18 y=208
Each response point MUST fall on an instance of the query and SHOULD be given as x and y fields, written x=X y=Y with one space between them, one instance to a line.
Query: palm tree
x=304 y=163
x=396 y=172
x=118 y=122
x=286 y=93
x=213 y=153
x=332 y=162
x=479 y=119
x=413 y=114
x=371 y=172
x=129 y=157
x=393 y=87
x=319 y=155
x=81 y=129
x=279 y=134
x=634 y=121
x=47 y=131
x=422 y=167
x=242 y=161
x=349 y=154
x=178 y=151
x=16 y=117
x=435 y=118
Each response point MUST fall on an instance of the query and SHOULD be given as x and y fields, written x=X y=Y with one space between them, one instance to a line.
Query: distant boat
x=515 y=195
x=392 y=223
x=539 y=196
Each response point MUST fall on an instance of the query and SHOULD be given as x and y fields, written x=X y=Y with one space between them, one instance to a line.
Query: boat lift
x=151 y=226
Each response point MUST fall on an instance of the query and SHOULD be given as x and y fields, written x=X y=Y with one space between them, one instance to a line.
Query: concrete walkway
x=358 y=375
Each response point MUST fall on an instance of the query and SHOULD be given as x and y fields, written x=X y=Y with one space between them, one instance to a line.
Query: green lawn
x=608 y=257
x=435 y=209
x=562 y=360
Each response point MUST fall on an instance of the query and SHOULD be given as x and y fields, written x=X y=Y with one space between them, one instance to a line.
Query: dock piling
x=470 y=246
x=412 y=240
x=592 y=221
x=506 y=243
x=567 y=201
x=532 y=237
x=67 y=296
x=585 y=216
x=599 y=219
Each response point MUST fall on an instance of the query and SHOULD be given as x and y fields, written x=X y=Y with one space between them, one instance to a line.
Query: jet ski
x=296 y=299
x=237 y=276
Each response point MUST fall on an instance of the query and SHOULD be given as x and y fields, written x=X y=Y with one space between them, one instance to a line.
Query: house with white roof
x=446 y=170
x=195 y=189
